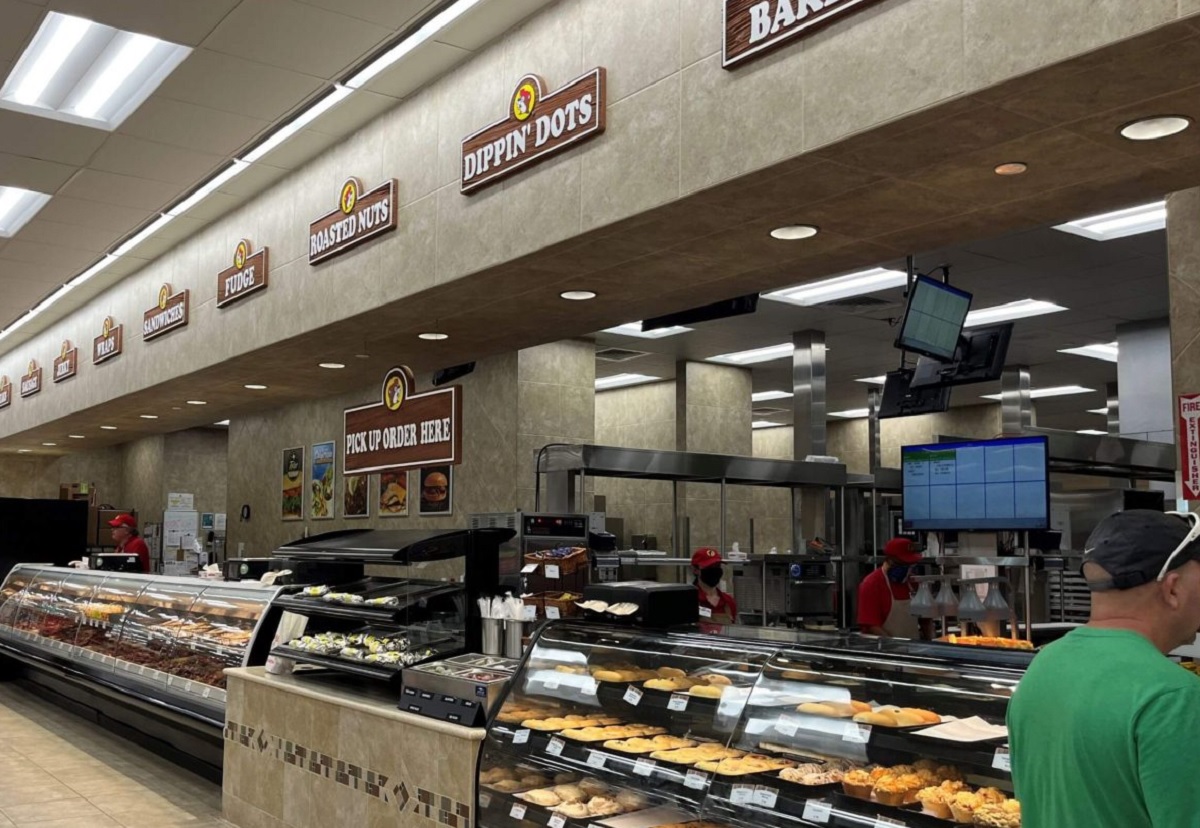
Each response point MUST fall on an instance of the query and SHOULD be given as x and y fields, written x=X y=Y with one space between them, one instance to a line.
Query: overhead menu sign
x=5 y=392
x=538 y=125
x=170 y=313
x=360 y=216
x=31 y=383
x=67 y=362
x=1189 y=445
x=109 y=343
x=247 y=276
x=754 y=27
x=404 y=430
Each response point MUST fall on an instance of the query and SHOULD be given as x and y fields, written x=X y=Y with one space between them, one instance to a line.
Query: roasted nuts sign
x=31 y=383
x=404 y=430
x=5 y=392
x=538 y=125
x=247 y=276
x=109 y=343
x=754 y=27
x=67 y=363
x=360 y=216
x=170 y=313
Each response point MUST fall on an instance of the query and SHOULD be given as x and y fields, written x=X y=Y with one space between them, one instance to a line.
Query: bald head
x=1167 y=612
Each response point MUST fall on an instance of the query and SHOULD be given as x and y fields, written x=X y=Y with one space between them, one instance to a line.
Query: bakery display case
x=637 y=729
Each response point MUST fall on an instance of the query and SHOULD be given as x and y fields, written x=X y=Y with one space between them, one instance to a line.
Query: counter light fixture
x=49 y=444
x=851 y=414
x=108 y=428
x=1119 y=223
x=17 y=206
x=1101 y=411
x=253 y=386
x=433 y=336
x=1052 y=391
x=1106 y=351
x=767 y=396
x=221 y=423
x=1011 y=168
x=197 y=402
x=1020 y=309
x=1094 y=432
x=794 y=232
x=755 y=355
x=148 y=416
x=578 y=295
x=1152 y=129
x=635 y=329
x=879 y=380
x=766 y=424
x=840 y=287
x=332 y=365
x=623 y=380
x=76 y=436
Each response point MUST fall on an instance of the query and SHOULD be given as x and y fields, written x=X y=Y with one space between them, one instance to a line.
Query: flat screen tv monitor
x=900 y=399
x=934 y=319
x=980 y=358
x=977 y=486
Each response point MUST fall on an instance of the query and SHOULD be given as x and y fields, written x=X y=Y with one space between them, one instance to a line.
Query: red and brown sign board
x=360 y=216
x=67 y=363
x=109 y=343
x=404 y=430
x=755 y=27
x=1189 y=445
x=247 y=276
x=538 y=125
x=170 y=313
x=31 y=383
x=5 y=392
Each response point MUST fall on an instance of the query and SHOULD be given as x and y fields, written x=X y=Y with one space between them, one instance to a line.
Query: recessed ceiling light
x=1020 y=309
x=1011 y=168
x=1106 y=351
x=1119 y=223
x=49 y=444
x=766 y=424
x=879 y=380
x=622 y=380
x=840 y=287
x=794 y=232
x=253 y=386
x=767 y=354
x=87 y=73
x=148 y=416
x=332 y=365
x=18 y=206
x=635 y=329
x=1053 y=391
x=108 y=428
x=1151 y=129
x=1101 y=411
x=76 y=436
x=433 y=336
x=221 y=423
x=177 y=408
x=767 y=396
x=1092 y=431
x=851 y=414
x=362 y=356
x=24 y=451
x=197 y=402
x=578 y=295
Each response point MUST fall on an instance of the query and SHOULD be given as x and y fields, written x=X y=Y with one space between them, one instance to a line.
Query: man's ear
x=1170 y=589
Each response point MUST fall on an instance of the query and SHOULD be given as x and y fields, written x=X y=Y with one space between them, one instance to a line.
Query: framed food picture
x=393 y=494
x=292 y=484
x=356 y=496
x=437 y=490
x=320 y=503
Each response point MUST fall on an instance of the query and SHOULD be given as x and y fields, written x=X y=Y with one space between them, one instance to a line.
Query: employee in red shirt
x=885 y=595
x=716 y=607
x=125 y=534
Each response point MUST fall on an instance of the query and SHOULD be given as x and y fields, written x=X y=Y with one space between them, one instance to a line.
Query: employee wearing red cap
x=125 y=534
x=716 y=606
x=884 y=596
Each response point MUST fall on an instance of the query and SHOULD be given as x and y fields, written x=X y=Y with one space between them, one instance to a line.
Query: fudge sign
x=247 y=276
x=109 y=343
x=404 y=430
x=5 y=392
x=170 y=313
x=67 y=362
x=360 y=216
x=754 y=27
x=31 y=383
x=538 y=125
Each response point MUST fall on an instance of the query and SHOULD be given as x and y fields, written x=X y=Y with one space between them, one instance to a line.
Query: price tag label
x=590 y=686
x=530 y=612
x=742 y=795
x=555 y=746
x=765 y=797
x=557 y=821
x=633 y=695
x=207 y=692
x=528 y=568
x=553 y=613
x=521 y=737
x=678 y=702
x=786 y=726
x=1002 y=760
x=885 y=822
x=695 y=779
x=816 y=810
x=596 y=760
x=706 y=612
x=551 y=683
x=517 y=812
x=644 y=767
x=552 y=572
x=857 y=733
x=485 y=800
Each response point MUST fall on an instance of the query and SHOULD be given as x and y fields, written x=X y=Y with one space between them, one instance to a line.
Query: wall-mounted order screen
x=984 y=485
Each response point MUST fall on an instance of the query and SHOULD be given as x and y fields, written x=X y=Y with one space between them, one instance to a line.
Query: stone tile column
x=1183 y=267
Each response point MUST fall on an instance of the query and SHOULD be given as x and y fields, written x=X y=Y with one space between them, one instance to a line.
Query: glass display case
x=167 y=640
x=628 y=728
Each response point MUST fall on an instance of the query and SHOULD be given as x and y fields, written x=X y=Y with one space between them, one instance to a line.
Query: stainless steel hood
x=1103 y=456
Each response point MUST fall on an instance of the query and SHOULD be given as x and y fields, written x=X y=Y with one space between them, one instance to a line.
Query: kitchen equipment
x=658 y=605
x=246 y=569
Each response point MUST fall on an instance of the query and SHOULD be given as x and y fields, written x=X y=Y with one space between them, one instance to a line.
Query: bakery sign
x=109 y=343
x=67 y=363
x=360 y=216
x=31 y=383
x=5 y=392
x=247 y=276
x=538 y=125
x=404 y=430
x=754 y=27
x=170 y=313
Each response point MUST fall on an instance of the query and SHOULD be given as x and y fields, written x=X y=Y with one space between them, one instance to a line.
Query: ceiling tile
x=131 y=156
x=29 y=275
x=390 y=13
x=33 y=173
x=20 y=21
x=295 y=36
x=51 y=254
x=411 y=73
x=192 y=127
x=117 y=220
x=50 y=140
x=67 y=235
x=232 y=84
x=124 y=190
x=487 y=21
x=179 y=21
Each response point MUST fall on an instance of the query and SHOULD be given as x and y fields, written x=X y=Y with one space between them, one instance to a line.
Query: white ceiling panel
x=233 y=84
x=127 y=155
x=111 y=218
x=408 y=76
x=67 y=235
x=46 y=139
x=296 y=36
x=33 y=173
x=123 y=190
x=20 y=22
x=487 y=22
x=180 y=21
x=192 y=127
x=393 y=14
x=51 y=254
x=40 y=278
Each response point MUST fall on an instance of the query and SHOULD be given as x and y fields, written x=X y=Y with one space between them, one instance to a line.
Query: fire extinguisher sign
x=1189 y=445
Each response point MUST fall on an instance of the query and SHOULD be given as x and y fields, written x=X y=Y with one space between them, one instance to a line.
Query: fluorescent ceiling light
x=333 y=365
x=1020 y=309
x=766 y=396
x=335 y=96
x=148 y=416
x=879 y=380
x=1053 y=391
x=108 y=428
x=766 y=424
x=1119 y=223
x=635 y=329
x=1093 y=432
x=1102 y=411
x=221 y=423
x=840 y=287
x=770 y=352
x=87 y=73
x=92 y=271
x=851 y=414
x=1106 y=351
x=207 y=188
x=434 y=25
x=18 y=206
x=622 y=380
x=142 y=235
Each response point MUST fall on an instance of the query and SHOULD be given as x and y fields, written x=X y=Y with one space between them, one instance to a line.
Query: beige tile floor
x=59 y=771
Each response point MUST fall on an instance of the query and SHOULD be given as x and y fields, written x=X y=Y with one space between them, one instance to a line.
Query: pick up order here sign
x=404 y=429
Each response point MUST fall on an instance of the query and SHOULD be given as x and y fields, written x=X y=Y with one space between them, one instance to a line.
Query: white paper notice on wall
x=180 y=501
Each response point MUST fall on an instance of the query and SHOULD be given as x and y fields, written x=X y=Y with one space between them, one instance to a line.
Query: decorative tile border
x=431 y=805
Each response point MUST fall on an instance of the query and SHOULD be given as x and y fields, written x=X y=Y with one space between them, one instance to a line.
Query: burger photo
x=435 y=491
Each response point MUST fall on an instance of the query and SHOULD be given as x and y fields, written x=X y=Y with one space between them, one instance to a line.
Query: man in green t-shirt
x=1104 y=729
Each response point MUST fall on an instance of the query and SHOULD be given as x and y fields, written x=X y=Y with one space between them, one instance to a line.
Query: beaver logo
x=524 y=100
x=106 y=328
x=349 y=196
x=164 y=293
x=241 y=254
x=66 y=349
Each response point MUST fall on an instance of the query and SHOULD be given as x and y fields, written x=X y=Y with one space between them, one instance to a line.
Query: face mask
x=711 y=576
x=898 y=574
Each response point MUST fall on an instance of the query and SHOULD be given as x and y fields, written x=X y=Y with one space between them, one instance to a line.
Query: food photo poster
x=321 y=505
x=437 y=490
x=393 y=494
x=292 y=487
x=356 y=502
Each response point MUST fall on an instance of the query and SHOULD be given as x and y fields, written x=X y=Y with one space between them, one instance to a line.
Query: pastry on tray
x=1006 y=814
x=858 y=783
x=640 y=745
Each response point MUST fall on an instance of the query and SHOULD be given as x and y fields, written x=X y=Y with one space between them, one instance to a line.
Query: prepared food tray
x=988 y=641
x=934 y=790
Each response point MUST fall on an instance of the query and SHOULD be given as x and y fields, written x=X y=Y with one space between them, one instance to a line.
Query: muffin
x=912 y=784
x=891 y=789
x=949 y=772
x=963 y=805
x=993 y=796
x=933 y=800
x=1006 y=814
x=858 y=783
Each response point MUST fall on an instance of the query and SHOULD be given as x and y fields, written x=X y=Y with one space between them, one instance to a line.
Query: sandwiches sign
x=170 y=313
x=360 y=216
x=247 y=276
x=538 y=125
x=754 y=27
x=108 y=344
x=67 y=363
x=5 y=392
x=404 y=430
x=31 y=383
